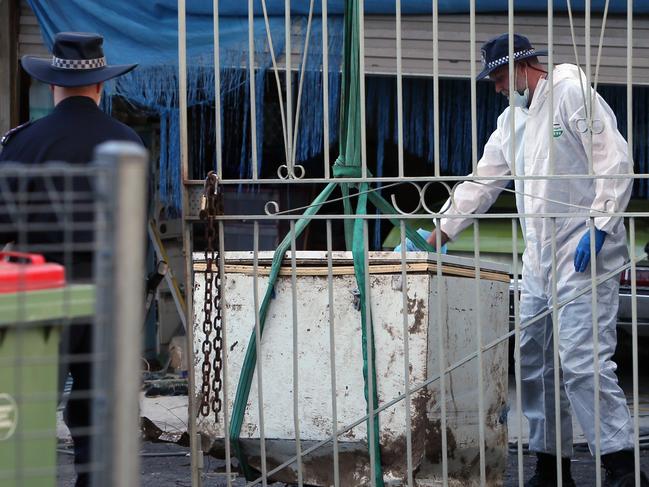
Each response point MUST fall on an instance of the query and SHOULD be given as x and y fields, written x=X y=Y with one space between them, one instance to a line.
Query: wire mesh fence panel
x=65 y=325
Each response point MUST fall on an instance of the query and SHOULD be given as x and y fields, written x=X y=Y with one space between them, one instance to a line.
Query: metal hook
x=272 y=204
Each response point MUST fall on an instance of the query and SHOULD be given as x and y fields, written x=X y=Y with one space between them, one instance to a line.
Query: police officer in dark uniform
x=75 y=73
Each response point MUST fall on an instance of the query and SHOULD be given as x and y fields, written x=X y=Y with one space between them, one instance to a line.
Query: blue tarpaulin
x=145 y=31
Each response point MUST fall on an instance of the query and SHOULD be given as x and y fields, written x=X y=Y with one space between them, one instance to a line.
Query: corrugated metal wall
x=30 y=40
x=454 y=52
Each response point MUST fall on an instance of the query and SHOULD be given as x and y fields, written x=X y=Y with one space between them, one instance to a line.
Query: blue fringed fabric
x=455 y=121
x=170 y=178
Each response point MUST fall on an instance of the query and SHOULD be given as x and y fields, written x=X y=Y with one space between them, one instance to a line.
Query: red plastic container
x=21 y=272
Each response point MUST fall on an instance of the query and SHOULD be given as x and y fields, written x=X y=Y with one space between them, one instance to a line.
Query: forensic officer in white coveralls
x=571 y=143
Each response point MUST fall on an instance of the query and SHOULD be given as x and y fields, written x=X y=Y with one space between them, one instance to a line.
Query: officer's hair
x=82 y=87
x=534 y=60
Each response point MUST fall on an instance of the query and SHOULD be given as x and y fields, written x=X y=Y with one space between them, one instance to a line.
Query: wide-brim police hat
x=495 y=52
x=77 y=60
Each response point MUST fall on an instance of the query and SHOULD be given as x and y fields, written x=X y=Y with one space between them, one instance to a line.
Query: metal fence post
x=120 y=294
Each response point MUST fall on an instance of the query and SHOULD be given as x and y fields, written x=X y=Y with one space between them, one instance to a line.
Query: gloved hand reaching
x=582 y=254
x=410 y=247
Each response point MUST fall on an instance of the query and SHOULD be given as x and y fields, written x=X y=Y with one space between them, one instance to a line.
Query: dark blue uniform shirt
x=69 y=134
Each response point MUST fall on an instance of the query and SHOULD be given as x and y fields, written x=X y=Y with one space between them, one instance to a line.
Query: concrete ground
x=173 y=469
x=583 y=468
x=168 y=464
x=163 y=465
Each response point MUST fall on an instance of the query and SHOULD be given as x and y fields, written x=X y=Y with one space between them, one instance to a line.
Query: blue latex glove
x=582 y=254
x=410 y=247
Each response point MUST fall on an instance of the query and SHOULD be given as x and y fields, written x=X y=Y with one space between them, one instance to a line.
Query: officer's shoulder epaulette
x=6 y=137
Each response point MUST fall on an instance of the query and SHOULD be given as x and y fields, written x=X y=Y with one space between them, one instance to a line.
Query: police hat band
x=505 y=59
x=95 y=63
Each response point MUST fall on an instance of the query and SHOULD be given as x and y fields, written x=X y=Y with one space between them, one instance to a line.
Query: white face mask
x=521 y=99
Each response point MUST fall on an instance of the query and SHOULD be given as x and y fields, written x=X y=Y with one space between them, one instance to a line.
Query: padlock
x=202 y=212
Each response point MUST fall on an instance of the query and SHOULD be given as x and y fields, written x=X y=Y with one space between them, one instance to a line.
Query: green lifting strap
x=367 y=339
x=248 y=367
x=347 y=165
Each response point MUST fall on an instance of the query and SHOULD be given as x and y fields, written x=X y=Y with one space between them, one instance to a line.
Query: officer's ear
x=99 y=87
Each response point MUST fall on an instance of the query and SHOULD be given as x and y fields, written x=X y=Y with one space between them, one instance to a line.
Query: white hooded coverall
x=570 y=141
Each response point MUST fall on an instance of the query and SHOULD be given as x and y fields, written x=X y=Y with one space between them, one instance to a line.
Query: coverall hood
x=560 y=74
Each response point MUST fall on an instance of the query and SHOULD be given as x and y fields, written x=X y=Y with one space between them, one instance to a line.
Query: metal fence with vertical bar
x=343 y=365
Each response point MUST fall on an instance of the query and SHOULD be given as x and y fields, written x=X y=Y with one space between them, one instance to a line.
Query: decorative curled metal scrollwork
x=421 y=191
x=393 y=199
x=451 y=196
x=274 y=205
x=287 y=171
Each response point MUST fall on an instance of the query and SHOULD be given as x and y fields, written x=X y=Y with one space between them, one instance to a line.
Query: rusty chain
x=211 y=207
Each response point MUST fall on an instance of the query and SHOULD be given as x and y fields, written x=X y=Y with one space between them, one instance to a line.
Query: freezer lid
x=344 y=258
